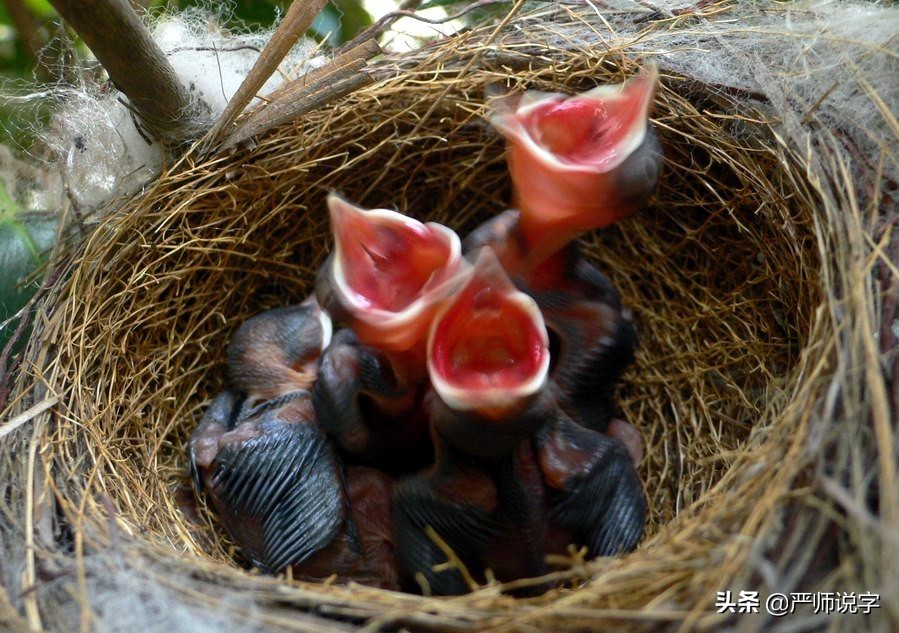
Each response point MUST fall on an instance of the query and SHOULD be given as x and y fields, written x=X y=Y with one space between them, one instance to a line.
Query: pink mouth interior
x=485 y=340
x=575 y=130
x=388 y=265
x=586 y=129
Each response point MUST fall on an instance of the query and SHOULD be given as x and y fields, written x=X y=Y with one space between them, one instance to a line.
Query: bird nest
x=758 y=279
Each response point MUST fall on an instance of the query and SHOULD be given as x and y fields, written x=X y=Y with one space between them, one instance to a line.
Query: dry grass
x=758 y=280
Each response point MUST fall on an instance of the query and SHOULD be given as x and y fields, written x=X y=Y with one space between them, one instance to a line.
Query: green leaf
x=353 y=18
x=41 y=8
x=25 y=238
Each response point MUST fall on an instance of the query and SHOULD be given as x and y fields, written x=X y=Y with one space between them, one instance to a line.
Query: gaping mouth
x=594 y=131
x=488 y=348
x=578 y=162
x=575 y=131
x=391 y=270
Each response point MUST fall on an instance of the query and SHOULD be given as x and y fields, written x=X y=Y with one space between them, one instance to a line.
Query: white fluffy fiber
x=99 y=148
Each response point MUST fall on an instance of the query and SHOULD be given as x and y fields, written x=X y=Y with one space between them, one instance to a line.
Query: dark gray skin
x=527 y=487
x=276 y=352
x=271 y=473
x=283 y=495
x=637 y=177
x=371 y=415
x=593 y=337
x=271 y=477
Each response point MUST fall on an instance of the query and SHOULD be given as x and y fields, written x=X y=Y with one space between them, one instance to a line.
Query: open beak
x=388 y=273
x=574 y=161
x=488 y=349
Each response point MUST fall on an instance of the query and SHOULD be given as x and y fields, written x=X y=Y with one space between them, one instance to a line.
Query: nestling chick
x=386 y=277
x=514 y=479
x=580 y=162
x=277 y=352
x=281 y=493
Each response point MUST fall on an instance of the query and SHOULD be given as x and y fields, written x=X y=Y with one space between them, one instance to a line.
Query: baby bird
x=270 y=472
x=514 y=479
x=277 y=352
x=387 y=274
x=580 y=162
x=592 y=336
x=273 y=478
x=386 y=277
x=488 y=358
x=576 y=163
x=367 y=409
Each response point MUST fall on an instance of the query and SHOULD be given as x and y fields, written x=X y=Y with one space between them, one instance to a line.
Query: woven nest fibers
x=753 y=279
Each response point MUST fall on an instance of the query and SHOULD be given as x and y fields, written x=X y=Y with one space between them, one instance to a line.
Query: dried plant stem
x=364 y=51
x=29 y=414
x=297 y=20
x=312 y=96
x=313 y=90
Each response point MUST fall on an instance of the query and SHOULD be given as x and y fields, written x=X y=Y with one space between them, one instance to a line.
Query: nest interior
x=716 y=275
x=724 y=275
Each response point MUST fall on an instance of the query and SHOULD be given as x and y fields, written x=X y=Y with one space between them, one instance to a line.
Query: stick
x=364 y=51
x=311 y=97
x=26 y=416
x=135 y=63
x=298 y=18
x=320 y=86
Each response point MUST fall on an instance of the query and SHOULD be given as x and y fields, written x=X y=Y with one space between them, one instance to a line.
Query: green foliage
x=40 y=8
x=25 y=238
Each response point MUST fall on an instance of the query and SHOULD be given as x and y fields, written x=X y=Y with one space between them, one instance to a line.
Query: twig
x=135 y=63
x=26 y=416
x=297 y=20
x=433 y=107
x=310 y=97
x=313 y=90
x=363 y=51
x=452 y=559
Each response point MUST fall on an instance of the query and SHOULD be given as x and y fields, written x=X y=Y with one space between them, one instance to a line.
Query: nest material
x=758 y=279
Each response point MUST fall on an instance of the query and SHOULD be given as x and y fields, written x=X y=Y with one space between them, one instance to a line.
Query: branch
x=311 y=96
x=298 y=19
x=135 y=64
x=318 y=87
